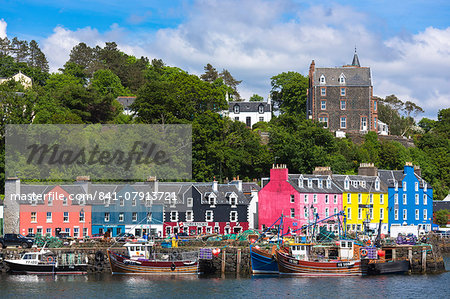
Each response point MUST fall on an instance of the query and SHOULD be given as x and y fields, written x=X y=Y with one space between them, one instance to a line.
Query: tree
x=5 y=46
x=229 y=80
x=256 y=98
x=106 y=82
x=289 y=92
x=210 y=74
x=37 y=58
x=427 y=124
x=441 y=217
x=82 y=55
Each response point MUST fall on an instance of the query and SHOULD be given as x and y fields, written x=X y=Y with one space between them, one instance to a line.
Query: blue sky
x=406 y=43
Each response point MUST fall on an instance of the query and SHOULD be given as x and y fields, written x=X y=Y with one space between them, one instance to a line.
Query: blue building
x=119 y=209
x=410 y=198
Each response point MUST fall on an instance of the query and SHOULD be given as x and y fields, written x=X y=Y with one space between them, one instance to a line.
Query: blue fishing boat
x=263 y=261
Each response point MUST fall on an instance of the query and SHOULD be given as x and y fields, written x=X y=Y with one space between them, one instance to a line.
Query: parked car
x=16 y=240
x=124 y=237
x=31 y=236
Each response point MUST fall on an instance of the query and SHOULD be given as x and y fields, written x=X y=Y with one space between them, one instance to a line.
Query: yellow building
x=364 y=201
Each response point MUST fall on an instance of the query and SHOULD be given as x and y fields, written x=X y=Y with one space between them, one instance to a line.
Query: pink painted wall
x=275 y=199
x=57 y=209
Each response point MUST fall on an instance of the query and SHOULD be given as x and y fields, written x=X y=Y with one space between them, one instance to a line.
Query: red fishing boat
x=142 y=260
x=298 y=260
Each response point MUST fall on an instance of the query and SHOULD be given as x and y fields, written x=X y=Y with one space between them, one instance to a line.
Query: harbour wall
x=235 y=258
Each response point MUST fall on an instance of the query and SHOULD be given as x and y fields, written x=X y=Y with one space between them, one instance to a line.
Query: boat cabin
x=301 y=251
x=139 y=250
x=346 y=249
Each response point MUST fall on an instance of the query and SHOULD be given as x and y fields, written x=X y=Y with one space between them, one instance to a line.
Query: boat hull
x=19 y=268
x=120 y=264
x=262 y=261
x=291 y=266
x=391 y=267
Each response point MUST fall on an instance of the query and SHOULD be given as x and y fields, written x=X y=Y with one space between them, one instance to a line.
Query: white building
x=19 y=77
x=249 y=112
x=126 y=103
x=383 y=129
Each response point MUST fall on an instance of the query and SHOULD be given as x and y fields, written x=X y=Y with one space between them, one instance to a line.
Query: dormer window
x=341 y=79
x=377 y=184
x=322 y=79
x=309 y=183
x=300 y=182
x=346 y=184
x=236 y=109
x=261 y=108
x=233 y=201
x=212 y=200
x=363 y=184
x=328 y=184
x=355 y=184
x=320 y=183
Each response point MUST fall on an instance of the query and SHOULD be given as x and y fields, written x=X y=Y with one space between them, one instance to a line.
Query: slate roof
x=222 y=193
x=354 y=76
x=293 y=179
x=360 y=187
x=249 y=106
x=389 y=177
x=441 y=205
x=248 y=187
x=126 y=102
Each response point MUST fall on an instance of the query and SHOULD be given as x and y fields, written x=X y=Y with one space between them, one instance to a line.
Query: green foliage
x=441 y=217
x=105 y=82
x=256 y=98
x=289 y=92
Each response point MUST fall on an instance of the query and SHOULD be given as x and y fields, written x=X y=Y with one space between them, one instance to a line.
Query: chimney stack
x=417 y=170
x=320 y=170
x=367 y=169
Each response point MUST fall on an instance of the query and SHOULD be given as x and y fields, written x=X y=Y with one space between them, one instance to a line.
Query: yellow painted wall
x=365 y=199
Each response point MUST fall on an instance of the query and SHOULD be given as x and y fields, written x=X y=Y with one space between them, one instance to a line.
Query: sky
x=405 y=43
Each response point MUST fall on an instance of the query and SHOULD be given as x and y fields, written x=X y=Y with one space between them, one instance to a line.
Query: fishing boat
x=142 y=259
x=263 y=261
x=299 y=260
x=45 y=262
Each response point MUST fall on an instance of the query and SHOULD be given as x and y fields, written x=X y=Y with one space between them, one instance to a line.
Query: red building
x=54 y=209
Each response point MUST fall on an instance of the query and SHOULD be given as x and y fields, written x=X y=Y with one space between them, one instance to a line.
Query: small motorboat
x=46 y=262
x=141 y=259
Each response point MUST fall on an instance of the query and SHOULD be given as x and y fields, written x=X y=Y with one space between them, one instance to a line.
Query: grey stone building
x=342 y=98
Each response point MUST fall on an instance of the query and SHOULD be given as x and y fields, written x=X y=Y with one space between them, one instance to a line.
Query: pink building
x=299 y=198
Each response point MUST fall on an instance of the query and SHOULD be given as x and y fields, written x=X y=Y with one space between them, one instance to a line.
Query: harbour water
x=117 y=286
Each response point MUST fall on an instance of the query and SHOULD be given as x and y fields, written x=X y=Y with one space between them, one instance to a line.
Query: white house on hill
x=249 y=112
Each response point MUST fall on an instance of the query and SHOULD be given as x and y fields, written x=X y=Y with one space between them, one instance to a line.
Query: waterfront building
x=249 y=112
x=342 y=98
x=410 y=197
x=251 y=191
x=364 y=200
x=50 y=210
x=208 y=208
x=126 y=209
x=301 y=198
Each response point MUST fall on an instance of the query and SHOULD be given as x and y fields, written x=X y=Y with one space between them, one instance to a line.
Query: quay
x=234 y=256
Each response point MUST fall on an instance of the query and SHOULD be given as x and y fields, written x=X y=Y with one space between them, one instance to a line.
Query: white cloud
x=256 y=40
x=3 y=25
